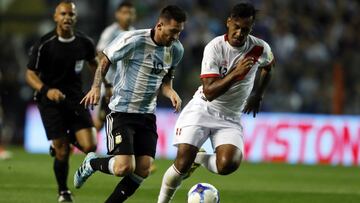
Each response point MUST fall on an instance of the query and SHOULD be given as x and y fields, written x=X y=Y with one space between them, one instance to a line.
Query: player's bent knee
x=144 y=173
x=226 y=166
x=62 y=153
x=123 y=170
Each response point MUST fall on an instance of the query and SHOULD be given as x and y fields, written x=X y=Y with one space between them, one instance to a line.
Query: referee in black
x=53 y=71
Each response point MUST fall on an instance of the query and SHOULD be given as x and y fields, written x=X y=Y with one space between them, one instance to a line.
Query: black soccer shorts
x=61 y=118
x=131 y=134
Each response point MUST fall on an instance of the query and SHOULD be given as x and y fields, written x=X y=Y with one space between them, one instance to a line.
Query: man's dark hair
x=66 y=1
x=125 y=4
x=173 y=12
x=243 y=10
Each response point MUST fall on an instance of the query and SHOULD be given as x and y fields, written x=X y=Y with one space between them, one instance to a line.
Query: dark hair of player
x=243 y=10
x=173 y=12
x=66 y=1
x=125 y=4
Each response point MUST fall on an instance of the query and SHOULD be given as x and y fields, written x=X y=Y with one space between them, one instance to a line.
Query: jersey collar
x=66 y=40
x=242 y=48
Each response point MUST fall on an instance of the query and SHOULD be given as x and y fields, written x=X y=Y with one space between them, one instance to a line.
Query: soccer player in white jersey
x=125 y=16
x=145 y=61
x=229 y=87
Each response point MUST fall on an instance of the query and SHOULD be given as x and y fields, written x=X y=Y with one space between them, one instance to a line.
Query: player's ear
x=55 y=17
x=159 y=25
x=228 y=22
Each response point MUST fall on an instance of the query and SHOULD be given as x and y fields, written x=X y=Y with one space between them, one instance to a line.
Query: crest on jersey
x=79 y=64
x=118 y=138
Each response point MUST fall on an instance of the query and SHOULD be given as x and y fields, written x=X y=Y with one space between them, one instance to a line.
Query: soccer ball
x=203 y=193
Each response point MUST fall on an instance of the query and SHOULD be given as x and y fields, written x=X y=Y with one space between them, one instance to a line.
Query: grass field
x=28 y=178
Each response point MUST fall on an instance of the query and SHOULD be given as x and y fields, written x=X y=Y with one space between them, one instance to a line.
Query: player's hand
x=176 y=101
x=92 y=98
x=253 y=104
x=55 y=95
x=108 y=94
x=243 y=67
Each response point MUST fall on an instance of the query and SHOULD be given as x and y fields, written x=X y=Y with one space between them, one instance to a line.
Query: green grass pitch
x=28 y=178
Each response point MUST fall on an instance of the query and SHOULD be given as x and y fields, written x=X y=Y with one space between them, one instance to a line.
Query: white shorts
x=197 y=123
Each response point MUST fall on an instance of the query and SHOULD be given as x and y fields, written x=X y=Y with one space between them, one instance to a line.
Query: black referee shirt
x=59 y=63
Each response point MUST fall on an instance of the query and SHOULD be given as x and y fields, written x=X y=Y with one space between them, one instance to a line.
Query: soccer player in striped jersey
x=228 y=74
x=145 y=61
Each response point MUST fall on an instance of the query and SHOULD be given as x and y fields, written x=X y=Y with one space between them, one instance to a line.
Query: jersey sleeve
x=91 y=52
x=267 y=56
x=210 y=66
x=178 y=53
x=34 y=57
x=120 y=47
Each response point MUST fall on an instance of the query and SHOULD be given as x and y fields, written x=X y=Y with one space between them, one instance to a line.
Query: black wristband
x=44 y=89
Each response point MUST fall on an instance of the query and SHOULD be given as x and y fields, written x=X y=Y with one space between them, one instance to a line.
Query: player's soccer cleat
x=65 y=196
x=84 y=171
x=194 y=166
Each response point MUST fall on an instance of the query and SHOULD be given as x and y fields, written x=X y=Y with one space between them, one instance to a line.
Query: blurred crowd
x=315 y=44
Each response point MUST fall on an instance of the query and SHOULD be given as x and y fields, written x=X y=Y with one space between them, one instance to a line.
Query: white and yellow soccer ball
x=203 y=193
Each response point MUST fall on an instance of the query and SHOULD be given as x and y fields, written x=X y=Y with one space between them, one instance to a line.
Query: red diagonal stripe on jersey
x=255 y=52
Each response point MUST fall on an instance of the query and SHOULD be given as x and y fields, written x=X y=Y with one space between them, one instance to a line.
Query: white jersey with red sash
x=218 y=60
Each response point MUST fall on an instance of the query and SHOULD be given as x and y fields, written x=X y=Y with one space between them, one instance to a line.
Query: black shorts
x=131 y=134
x=64 y=118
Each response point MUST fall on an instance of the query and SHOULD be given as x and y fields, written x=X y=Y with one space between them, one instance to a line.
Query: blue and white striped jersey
x=141 y=67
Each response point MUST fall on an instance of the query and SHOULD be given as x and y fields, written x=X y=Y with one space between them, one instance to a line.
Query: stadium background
x=316 y=45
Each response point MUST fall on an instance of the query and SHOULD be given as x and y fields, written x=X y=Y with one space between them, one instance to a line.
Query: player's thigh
x=86 y=138
x=119 y=134
x=143 y=165
x=101 y=111
x=228 y=144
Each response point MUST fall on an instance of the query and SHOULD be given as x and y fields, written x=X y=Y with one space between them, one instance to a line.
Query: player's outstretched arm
x=215 y=87
x=168 y=91
x=261 y=82
x=93 y=96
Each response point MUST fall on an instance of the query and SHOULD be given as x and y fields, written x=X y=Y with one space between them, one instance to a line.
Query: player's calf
x=185 y=157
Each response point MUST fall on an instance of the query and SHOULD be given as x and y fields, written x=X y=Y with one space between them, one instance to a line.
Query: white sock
x=111 y=165
x=208 y=161
x=170 y=183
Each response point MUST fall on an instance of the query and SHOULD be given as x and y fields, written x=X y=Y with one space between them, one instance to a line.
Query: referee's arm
x=34 y=81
